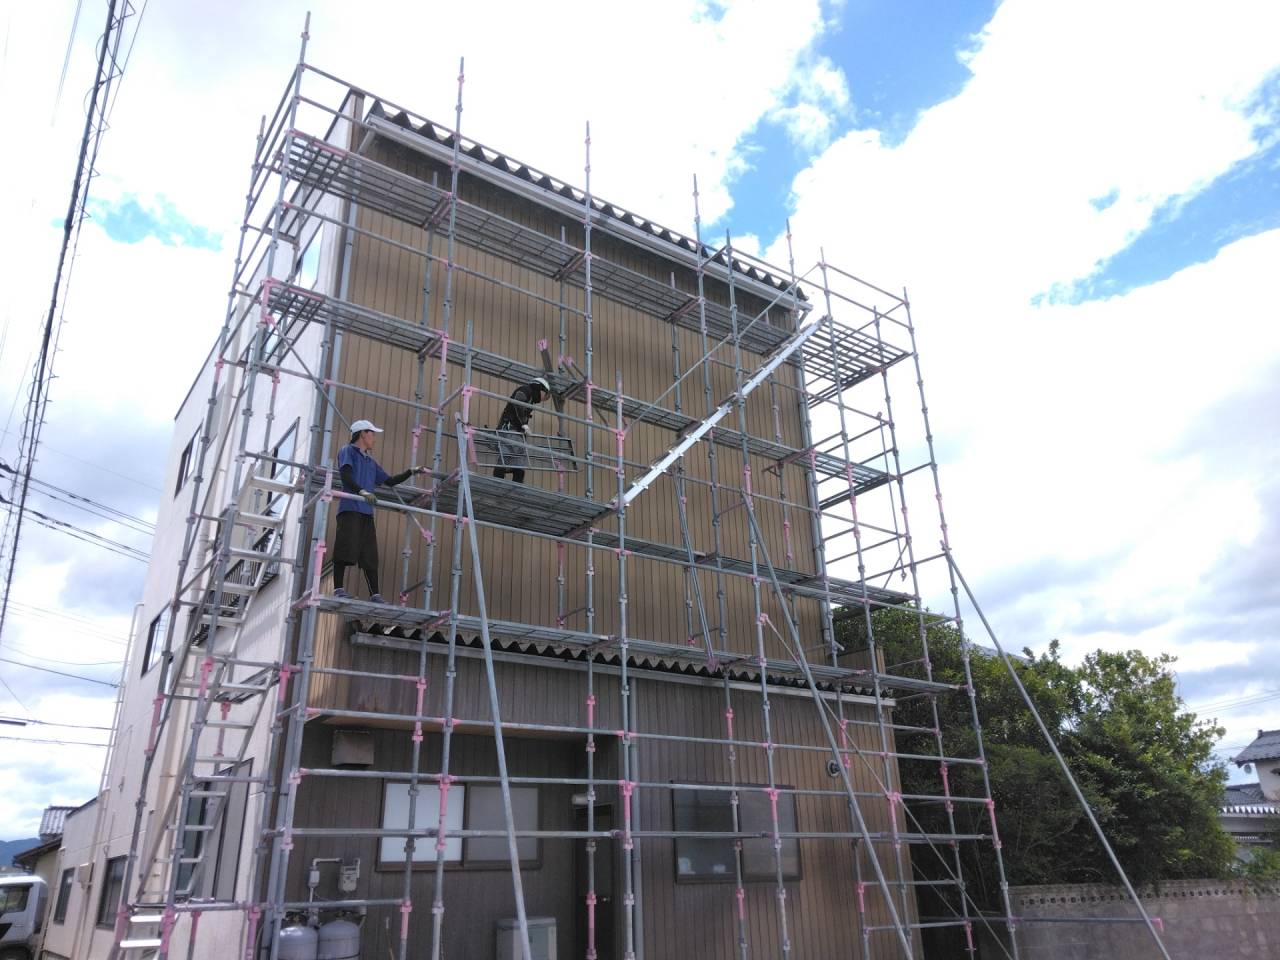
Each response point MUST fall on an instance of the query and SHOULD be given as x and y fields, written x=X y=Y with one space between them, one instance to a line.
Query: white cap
x=543 y=380
x=360 y=426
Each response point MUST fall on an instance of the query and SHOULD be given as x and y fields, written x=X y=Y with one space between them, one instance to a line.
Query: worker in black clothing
x=515 y=418
x=357 y=540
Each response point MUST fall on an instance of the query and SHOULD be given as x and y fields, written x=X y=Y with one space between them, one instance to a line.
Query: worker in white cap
x=516 y=414
x=357 y=540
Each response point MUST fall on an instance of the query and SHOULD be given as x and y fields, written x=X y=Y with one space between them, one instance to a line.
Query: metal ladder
x=181 y=844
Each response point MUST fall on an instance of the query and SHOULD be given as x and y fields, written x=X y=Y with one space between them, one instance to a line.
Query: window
x=64 y=895
x=186 y=463
x=476 y=807
x=284 y=449
x=395 y=813
x=711 y=811
x=14 y=899
x=484 y=812
x=112 y=887
x=156 y=634
x=230 y=832
x=217 y=879
x=308 y=265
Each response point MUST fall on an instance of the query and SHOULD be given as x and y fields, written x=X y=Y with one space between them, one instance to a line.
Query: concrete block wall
x=1199 y=918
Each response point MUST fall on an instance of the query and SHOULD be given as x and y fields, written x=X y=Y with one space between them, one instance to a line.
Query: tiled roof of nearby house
x=1243 y=793
x=1246 y=798
x=1265 y=747
x=52 y=822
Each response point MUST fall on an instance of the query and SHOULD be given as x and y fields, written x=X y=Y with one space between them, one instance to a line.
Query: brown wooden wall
x=520 y=572
x=679 y=919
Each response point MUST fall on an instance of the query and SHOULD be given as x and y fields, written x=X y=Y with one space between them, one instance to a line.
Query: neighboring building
x=42 y=860
x=652 y=665
x=1252 y=820
x=1264 y=754
x=65 y=860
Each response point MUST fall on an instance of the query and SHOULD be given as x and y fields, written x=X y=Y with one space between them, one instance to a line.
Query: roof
x=27 y=858
x=1265 y=747
x=500 y=162
x=52 y=822
x=1247 y=798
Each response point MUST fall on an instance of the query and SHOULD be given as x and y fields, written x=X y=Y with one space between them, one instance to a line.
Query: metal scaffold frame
x=854 y=504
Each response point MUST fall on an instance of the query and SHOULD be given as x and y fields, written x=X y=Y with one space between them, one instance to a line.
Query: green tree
x=1144 y=762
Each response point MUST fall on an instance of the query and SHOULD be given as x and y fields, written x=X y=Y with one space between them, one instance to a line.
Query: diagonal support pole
x=702 y=429
x=513 y=851
x=803 y=662
x=1066 y=770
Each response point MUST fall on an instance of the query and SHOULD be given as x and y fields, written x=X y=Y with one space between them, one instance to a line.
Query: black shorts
x=357 y=541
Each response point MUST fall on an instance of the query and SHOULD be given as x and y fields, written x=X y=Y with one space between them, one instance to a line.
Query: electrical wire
x=51 y=723
x=66 y=61
x=52 y=323
x=16 y=698
x=88 y=463
x=61 y=743
x=88 y=536
x=89 y=628
x=94 y=512
x=60 y=673
x=128 y=55
x=1223 y=706
x=68 y=663
x=88 y=504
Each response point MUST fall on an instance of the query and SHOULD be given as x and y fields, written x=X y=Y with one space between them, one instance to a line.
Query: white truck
x=22 y=907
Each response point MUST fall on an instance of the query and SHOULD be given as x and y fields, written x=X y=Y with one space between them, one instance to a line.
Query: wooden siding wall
x=679 y=920
x=520 y=572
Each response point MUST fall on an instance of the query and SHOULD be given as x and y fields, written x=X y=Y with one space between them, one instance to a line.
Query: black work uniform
x=515 y=418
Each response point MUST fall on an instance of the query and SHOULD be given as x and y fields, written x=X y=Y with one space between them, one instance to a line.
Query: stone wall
x=1199 y=918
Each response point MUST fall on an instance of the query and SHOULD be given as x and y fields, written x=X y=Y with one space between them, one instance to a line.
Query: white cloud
x=816 y=100
x=1071 y=483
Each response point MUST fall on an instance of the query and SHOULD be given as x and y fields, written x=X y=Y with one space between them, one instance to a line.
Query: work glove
x=524 y=427
x=369 y=497
x=419 y=471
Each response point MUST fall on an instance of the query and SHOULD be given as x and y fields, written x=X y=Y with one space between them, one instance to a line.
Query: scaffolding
x=821 y=346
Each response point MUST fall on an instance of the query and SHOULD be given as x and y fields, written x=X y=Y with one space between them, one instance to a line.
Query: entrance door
x=605 y=902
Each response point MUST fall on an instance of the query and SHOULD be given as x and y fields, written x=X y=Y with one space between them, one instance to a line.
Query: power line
x=1237 y=702
x=25 y=615
x=88 y=504
x=66 y=60
x=68 y=663
x=89 y=628
x=42 y=375
x=93 y=512
x=16 y=699
x=60 y=673
x=88 y=536
x=89 y=463
x=62 y=743
x=50 y=723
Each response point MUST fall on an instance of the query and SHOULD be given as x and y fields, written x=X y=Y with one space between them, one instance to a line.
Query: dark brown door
x=606 y=903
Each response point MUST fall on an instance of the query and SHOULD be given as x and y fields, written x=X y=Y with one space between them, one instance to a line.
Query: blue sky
x=1077 y=206
x=901 y=58
x=898 y=58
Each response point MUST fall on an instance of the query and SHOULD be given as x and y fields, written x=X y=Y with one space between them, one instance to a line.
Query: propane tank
x=339 y=940
x=298 y=940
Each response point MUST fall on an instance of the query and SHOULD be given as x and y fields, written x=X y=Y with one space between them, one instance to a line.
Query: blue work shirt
x=368 y=475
